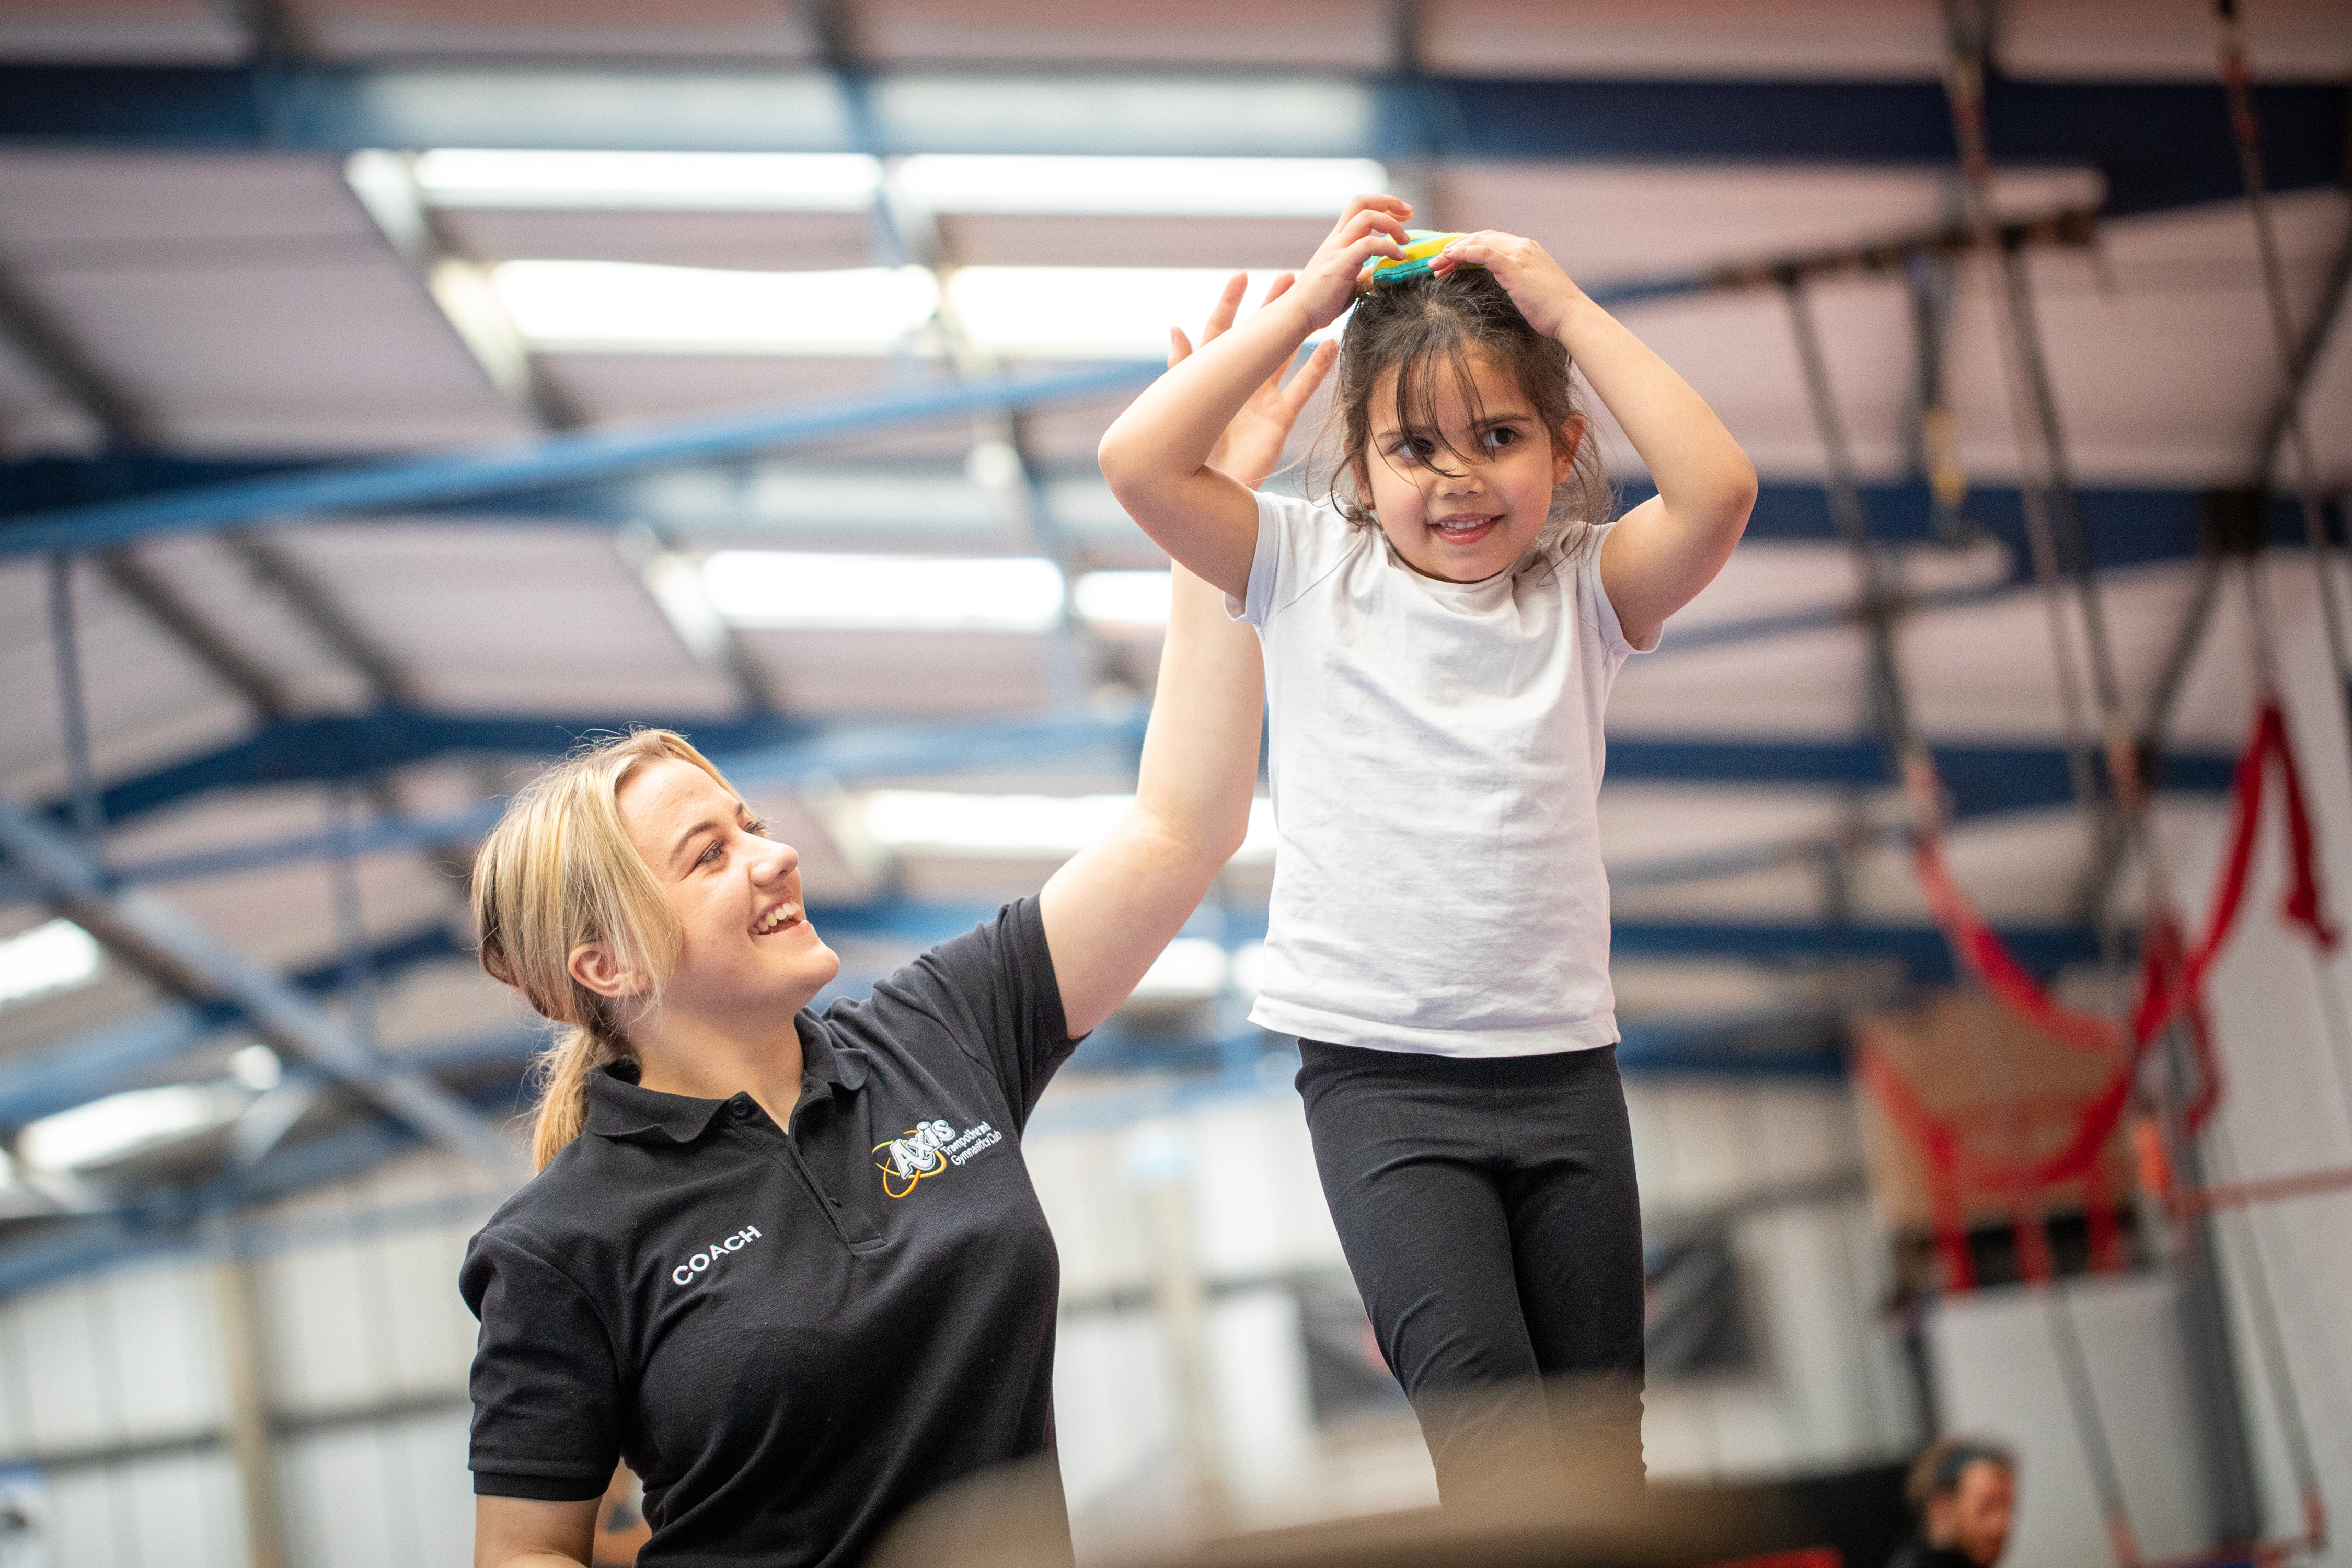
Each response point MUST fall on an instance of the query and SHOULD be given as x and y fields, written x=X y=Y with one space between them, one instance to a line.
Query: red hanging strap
x=2305 y=904
x=1981 y=949
x=2171 y=984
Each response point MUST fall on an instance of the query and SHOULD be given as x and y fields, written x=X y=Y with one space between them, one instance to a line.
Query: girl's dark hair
x=1428 y=328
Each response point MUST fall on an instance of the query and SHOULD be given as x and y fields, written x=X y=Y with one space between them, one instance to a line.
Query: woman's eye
x=710 y=856
x=757 y=829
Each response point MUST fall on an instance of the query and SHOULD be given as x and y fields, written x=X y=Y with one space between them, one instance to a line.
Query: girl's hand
x=1251 y=446
x=1544 y=293
x=1328 y=284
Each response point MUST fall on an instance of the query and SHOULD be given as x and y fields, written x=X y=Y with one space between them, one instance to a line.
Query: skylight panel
x=636 y=307
x=122 y=1125
x=1040 y=826
x=1124 y=599
x=793 y=590
x=1138 y=187
x=1087 y=312
x=672 y=181
x=57 y=955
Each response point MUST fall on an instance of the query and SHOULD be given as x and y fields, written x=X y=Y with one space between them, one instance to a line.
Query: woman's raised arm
x=1119 y=901
x=1123 y=897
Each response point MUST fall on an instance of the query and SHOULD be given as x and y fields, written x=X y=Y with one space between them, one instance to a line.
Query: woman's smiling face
x=746 y=950
x=1465 y=500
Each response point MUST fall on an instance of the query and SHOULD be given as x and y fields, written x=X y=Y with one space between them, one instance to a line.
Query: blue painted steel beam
x=334 y=748
x=405 y=484
x=343 y=747
x=117 y=1055
x=1921 y=950
x=2128 y=527
x=2159 y=145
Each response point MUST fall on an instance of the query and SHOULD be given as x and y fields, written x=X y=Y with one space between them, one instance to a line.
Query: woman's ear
x=1572 y=432
x=593 y=966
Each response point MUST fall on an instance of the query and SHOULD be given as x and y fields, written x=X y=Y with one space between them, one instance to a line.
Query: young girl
x=1440 y=637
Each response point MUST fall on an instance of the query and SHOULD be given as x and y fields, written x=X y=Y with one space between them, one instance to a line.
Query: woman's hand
x=1251 y=447
x=1329 y=282
x=1538 y=285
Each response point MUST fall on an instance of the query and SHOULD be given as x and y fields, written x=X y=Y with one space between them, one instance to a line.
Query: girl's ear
x=1572 y=431
x=599 y=971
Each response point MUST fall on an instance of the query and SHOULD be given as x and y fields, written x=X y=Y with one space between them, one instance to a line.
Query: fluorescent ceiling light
x=1138 y=187
x=884 y=592
x=1124 y=599
x=122 y=1125
x=673 y=182
x=54 y=956
x=1018 y=825
x=1055 y=312
x=1114 y=312
x=629 y=306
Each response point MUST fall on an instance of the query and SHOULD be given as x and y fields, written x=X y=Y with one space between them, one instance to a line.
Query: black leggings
x=1488 y=1212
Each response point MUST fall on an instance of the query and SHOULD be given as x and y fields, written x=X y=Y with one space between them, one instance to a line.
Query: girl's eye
x=1501 y=435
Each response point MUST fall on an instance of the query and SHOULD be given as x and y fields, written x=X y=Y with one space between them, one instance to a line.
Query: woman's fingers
x=1179 y=347
x=1229 y=302
x=1310 y=376
x=1277 y=289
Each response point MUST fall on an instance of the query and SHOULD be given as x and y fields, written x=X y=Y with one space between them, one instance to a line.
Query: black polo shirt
x=791 y=1339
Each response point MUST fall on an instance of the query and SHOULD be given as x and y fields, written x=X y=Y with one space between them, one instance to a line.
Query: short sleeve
x=1297 y=542
x=995 y=987
x=546 y=1393
x=1593 y=602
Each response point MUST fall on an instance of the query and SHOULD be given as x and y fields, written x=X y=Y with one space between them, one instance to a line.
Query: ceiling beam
x=2156 y=142
x=164 y=604
x=155 y=938
x=129 y=428
x=334 y=748
x=570 y=458
x=123 y=420
x=125 y=1053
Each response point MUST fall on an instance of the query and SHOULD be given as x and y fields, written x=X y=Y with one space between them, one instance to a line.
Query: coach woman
x=789 y=1266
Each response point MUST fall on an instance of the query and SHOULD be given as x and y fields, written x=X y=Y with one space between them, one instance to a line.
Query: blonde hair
x=559 y=871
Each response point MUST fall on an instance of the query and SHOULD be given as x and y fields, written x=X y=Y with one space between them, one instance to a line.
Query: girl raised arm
x=1157 y=454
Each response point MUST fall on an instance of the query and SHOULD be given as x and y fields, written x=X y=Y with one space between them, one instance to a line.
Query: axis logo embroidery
x=927 y=1149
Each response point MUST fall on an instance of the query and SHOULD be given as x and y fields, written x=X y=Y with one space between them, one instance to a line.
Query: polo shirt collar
x=619 y=1107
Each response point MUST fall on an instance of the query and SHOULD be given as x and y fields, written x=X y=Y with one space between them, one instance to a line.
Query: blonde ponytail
x=560 y=871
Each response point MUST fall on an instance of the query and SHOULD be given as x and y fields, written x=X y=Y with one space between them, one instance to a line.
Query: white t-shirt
x=1436 y=753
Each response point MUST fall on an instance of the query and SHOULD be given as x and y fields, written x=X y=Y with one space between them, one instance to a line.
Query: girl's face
x=747 y=953
x=1481 y=517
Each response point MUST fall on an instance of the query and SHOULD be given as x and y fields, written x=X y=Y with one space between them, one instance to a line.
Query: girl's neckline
x=1446 y=587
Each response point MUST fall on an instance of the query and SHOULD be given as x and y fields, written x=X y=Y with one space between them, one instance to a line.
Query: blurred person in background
x=1964 y=1492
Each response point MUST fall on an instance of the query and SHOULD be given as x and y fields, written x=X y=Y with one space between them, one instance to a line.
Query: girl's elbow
x=1739 y=492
